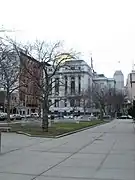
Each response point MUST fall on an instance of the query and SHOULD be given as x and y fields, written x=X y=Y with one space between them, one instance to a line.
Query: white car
x=34 y=115
x=15 y=117
x=68 y=117
x=3 y=116
x=92 y=117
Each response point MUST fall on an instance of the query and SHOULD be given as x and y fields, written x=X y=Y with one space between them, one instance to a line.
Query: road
x=106 y=152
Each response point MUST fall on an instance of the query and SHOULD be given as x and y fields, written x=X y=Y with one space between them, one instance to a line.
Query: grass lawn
x=55 y=130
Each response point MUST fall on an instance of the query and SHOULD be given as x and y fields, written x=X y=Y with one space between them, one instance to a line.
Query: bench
x=5 y=129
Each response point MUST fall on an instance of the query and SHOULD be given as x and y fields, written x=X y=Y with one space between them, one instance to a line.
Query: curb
x=79 y=130
x=21 y=132
x=134 y=124
x=62 y=135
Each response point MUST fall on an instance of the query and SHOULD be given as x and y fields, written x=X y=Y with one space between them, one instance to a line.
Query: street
x=106 y=152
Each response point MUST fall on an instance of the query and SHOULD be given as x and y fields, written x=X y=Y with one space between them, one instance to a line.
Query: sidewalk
x=106 y=152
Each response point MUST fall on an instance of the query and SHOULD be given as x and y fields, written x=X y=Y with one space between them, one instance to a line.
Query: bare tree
x=99 y=96
x=86 y=99
x=115 y=100
x=9 y=71
x=51 y=58
x=107 y=100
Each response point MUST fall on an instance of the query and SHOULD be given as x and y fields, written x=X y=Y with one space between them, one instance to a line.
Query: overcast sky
x=104 y=27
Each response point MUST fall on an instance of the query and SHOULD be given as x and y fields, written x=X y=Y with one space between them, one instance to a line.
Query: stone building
x=119 y=78
x=76 y=76
x=130 y=86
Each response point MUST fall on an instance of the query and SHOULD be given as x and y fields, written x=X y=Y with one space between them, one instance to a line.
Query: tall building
x=119 y=78
x=130 y=86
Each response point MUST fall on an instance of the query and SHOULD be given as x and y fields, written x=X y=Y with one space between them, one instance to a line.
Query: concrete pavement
x=106 y=152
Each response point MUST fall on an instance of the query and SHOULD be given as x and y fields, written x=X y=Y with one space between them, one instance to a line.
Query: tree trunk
x=39 y=110
x=45 y=118
x=101 y=112
x=84 y=113
x=8 y=108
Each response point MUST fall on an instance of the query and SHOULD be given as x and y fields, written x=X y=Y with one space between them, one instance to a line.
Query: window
x=65 y=103
x=79 y=84
x=109 y=86
x=66 y=83
x=72 y=102
x=50 y=102
x=101 y=85
x=57 y=86
x=78 y=102
x=72 y=85
x=3 y=77
x=72 y=68
x=56 y=104
x=79 y=68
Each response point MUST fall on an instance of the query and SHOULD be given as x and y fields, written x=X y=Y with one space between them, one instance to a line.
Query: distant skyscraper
x=119 y=78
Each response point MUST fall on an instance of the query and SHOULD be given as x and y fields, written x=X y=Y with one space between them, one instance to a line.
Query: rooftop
x=118 y=72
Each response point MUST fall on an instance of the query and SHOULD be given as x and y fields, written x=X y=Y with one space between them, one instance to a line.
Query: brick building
x=29 y=80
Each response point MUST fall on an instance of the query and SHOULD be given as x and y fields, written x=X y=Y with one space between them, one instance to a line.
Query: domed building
x=119 y=78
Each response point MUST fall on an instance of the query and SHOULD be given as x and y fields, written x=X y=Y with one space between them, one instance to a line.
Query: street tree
x=51 y=58
x=100 y=98
x=9 y=71
x=107 y=100
x=116 y=100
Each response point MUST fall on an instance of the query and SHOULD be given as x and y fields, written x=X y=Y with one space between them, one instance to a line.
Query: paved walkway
x=106 y=152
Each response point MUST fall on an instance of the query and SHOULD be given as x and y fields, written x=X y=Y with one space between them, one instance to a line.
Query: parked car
x=28 y=116
x=79 y=117
x=15 y=117
x=92 y=117
x=106 y=117
x=125 y=117
x=12 y=117
x=3 y=116
x=34 y=115
x=68 y=117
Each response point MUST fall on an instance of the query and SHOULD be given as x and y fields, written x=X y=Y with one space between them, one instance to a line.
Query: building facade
x=130 y=86
x=29 y=81
x=25 y=99
x=104 y=82
x=76 y=77
x=75 y=92
x=119 y=78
